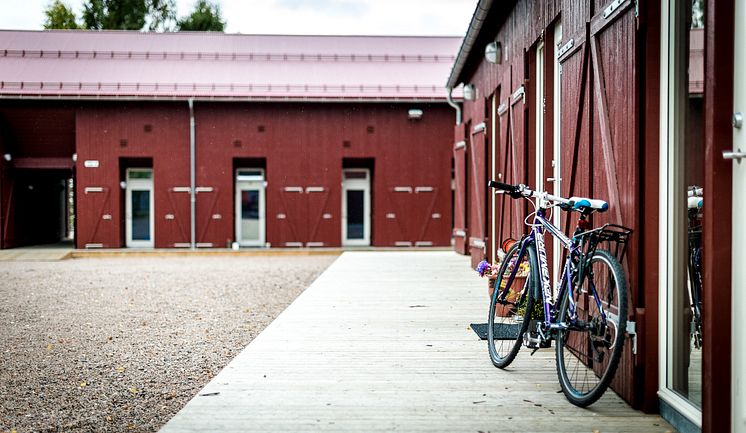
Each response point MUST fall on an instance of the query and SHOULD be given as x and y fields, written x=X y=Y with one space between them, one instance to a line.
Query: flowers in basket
x=485 y=269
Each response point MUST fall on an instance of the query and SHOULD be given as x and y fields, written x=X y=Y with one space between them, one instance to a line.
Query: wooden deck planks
x=381 y=342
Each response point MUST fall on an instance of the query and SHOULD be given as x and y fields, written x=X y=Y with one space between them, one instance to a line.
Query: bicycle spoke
x=588 y=354
x=511 y=305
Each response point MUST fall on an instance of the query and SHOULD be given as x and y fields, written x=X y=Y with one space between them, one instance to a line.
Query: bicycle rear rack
x=612 y=236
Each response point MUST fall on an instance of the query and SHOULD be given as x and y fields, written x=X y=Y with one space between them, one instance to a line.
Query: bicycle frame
x=574 y=247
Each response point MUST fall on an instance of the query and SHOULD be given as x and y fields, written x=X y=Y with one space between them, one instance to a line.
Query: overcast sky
x=313 y=17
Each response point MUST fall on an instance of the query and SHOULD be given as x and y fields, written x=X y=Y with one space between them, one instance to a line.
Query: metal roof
x=120 y=64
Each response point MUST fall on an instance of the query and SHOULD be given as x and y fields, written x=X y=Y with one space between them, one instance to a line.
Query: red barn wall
x=305 y=145
x=299 y=144
x=114 y=134
x=600 y=141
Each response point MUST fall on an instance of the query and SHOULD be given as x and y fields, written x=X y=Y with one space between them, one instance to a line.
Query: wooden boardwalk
x=381 y=342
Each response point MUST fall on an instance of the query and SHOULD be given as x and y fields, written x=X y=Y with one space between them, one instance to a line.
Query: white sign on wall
x=91 y=163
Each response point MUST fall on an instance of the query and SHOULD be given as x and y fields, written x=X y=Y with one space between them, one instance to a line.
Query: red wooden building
x=631 y=102
x=205 y=140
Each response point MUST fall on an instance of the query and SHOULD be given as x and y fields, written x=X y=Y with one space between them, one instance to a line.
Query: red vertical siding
x=305 y=146
x=100 y=131
x=460 y=229
x=601 y=146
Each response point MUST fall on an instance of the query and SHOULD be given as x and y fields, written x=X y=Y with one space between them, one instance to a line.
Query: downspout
x=192 y=178
x=453 y=104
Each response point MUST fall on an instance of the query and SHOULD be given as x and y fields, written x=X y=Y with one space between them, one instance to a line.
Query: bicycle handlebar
x=573 y=203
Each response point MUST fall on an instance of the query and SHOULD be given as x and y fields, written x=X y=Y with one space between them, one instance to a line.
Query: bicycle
x=587 y=319
x=694 y=262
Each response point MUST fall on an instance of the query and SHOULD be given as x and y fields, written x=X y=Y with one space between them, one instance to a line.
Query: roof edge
x=475 y=27
x=200 y=33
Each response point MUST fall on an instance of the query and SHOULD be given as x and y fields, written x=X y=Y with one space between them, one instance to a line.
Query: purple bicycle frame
x=537 y=235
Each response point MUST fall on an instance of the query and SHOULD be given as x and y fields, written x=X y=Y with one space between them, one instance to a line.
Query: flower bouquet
x=485 y=269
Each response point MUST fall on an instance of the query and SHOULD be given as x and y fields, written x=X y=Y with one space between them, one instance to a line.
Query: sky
x=309 y=17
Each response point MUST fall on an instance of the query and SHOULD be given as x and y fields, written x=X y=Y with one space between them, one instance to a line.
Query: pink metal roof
x=215 y=65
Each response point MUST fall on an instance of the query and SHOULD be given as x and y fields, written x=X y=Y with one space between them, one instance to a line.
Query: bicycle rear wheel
x=508 y=321
x=589 y=350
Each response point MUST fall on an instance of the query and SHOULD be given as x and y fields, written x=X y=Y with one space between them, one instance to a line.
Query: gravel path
x=122 y=344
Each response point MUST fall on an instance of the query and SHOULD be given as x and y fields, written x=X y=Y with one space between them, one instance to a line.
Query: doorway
x=139 y=217
x=250 y=207
x=356 y=207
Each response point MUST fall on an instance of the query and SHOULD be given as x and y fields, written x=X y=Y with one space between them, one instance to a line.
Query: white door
x=356 y=207
x=738 y=286
x=250 y=207
x=139 y=218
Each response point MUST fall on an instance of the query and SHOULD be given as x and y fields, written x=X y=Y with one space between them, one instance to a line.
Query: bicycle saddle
x=583 y=204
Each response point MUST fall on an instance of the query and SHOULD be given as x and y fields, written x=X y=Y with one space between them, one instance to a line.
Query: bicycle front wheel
x=589 y=350
x=509 y=316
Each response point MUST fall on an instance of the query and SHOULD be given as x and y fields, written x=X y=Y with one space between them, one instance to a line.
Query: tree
x=129 y=14
x=60 y=16
x=205 y=17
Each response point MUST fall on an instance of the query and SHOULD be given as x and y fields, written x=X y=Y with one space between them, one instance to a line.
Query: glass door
x=250 y=207
x=356 y=207
x=681 y=208
x=139 y=219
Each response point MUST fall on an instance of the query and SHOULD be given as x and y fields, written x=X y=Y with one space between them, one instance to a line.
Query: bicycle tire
x=595 y=343
x=502 y=355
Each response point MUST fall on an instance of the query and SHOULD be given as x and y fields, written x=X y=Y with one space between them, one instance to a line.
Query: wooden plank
x=381 y=342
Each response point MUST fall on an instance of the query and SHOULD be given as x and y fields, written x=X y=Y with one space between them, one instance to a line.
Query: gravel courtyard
x=122 y=344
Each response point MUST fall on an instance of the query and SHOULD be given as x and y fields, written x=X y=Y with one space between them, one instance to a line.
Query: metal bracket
x=616 y=4
x=632 y=332
x=565 y=48
x=518 y=94
x=502 y=109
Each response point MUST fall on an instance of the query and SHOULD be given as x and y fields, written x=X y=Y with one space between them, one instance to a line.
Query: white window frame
x=251 y=183
x=557 y=148
x=539 y=113
x=671 y=186
x=140 y=185
x=356 y=184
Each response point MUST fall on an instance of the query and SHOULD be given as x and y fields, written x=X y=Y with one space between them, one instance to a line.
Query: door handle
x=734 y=154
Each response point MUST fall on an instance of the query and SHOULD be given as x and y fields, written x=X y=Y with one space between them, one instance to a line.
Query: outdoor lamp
x=415 y=114
x=493 y=52
x=7 y=157
x=470 y=92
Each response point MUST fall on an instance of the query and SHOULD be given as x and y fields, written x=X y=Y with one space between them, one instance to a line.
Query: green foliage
x=205 y=17
x=129 y=14
x=60 y=16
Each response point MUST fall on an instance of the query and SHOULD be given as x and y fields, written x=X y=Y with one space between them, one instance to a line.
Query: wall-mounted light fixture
x=7 y=157
x=75 y=157
x=123 y=185
x=415 y=114
x=470 y=92
x=493 y=52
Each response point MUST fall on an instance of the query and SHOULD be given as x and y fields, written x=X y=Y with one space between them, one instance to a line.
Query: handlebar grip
x=502 y=186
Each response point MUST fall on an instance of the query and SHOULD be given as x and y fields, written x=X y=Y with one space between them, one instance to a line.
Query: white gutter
x=453 y=104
